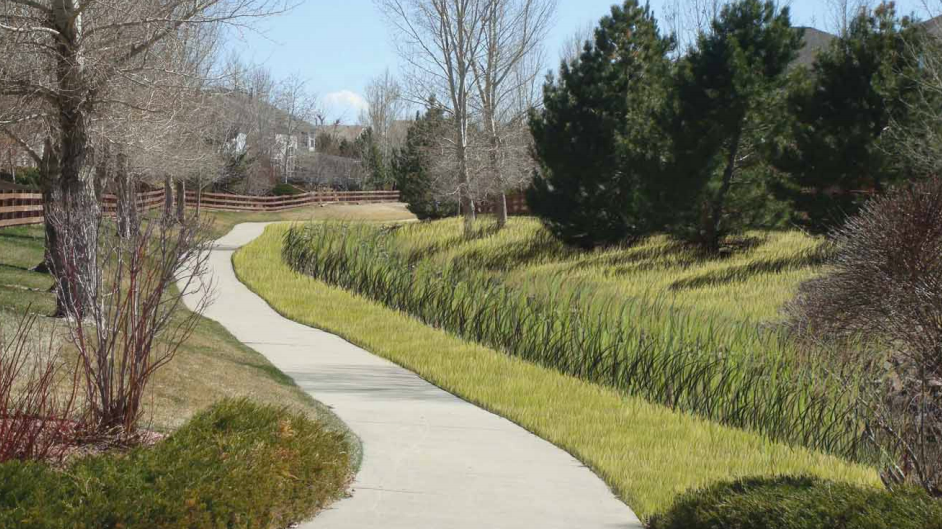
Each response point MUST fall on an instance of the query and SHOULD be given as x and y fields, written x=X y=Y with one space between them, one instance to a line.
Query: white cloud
x=344 y=105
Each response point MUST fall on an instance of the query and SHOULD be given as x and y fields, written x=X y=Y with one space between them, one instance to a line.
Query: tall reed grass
x=739 y=375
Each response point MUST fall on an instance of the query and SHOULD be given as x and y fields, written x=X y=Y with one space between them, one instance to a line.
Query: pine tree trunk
x=719 y=202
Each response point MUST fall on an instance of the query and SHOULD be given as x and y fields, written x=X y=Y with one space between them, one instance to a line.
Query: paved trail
x=431 y=460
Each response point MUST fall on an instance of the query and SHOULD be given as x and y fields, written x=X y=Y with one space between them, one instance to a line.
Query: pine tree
x=410 y=167
x=835 y=147
x=372 y=159
x=725 y=93
x=594 y=136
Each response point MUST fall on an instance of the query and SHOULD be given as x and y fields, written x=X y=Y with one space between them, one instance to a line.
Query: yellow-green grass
x=224 y=221
x=647 y=453
x=645 y=345
x=750 y=282
x=211 y=366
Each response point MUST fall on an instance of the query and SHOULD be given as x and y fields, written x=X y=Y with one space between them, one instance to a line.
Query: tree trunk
x=713 y=233
x=181 y=202
x=168 y=199
x=127 y=198
x=502 y=213
x=466 y=200
x=494 y=159
x=73 y=213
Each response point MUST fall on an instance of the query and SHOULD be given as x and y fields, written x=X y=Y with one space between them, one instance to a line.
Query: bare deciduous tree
x=66 y=62
x=573 y=47
x=842 y=12
x=298 y=108
x=505 y=71
x=386 y=106
x=439 y=40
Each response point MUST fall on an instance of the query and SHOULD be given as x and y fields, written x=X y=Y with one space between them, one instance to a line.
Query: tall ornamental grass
x=737 y=375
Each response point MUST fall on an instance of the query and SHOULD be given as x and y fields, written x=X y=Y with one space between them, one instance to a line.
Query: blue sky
x=338 y=45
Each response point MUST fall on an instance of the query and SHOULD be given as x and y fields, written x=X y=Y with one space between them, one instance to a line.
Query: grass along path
x=224 y=221
x=210 y=367
x=647 y=453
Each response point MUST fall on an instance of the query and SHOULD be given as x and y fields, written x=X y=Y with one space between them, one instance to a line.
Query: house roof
x=341 y=132
x=817 y=40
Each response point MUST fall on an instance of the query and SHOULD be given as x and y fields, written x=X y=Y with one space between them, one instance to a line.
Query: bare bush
x=36 y=418
x=133 y=323
x=882 y=301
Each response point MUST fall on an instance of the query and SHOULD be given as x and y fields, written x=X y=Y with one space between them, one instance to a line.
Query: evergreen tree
x=378 y=177
x=595 y=136
x=725 y=99
x=410 y=167
x=835 y=145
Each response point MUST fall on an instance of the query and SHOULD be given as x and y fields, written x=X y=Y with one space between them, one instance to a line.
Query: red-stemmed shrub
x=37 y=400
x=126 y=319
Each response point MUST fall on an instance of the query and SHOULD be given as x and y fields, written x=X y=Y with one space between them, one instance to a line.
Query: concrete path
x=431 y=460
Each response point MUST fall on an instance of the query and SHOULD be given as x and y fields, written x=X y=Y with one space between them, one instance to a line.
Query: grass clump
x=736 y=374
x=647 y=453
x=237 y=465
x=800 y=503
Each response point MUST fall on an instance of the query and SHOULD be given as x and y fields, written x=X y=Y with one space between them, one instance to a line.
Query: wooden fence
x=19 y=208
x=516 y=205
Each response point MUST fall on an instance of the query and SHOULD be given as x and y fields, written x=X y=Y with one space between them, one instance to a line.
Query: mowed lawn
x=212 y=365
x=647 y=453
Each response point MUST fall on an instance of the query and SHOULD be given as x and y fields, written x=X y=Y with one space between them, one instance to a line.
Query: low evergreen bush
x=237 y=465
x=286 y=190
x=800 y=503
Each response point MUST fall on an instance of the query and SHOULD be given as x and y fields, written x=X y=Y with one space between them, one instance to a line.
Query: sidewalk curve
x=431 y=460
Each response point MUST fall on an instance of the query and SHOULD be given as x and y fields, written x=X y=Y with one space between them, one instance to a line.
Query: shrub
x=235 y=465
x=800 y=503
x=882 y=306
x=124 y=319
x=35 y=418
x=286 y=190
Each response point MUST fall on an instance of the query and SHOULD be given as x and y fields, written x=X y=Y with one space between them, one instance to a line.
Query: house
x=14 y=158
x=816 y=40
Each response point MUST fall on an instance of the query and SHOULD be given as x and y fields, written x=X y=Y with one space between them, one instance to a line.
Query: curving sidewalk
x=431 y=460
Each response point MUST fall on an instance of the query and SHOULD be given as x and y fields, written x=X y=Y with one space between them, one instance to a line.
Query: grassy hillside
x=647 y=453
x=749 y=281
x=657 y=321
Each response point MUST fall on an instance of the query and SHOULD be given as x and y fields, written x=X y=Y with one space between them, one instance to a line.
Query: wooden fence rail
x=20 y=208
